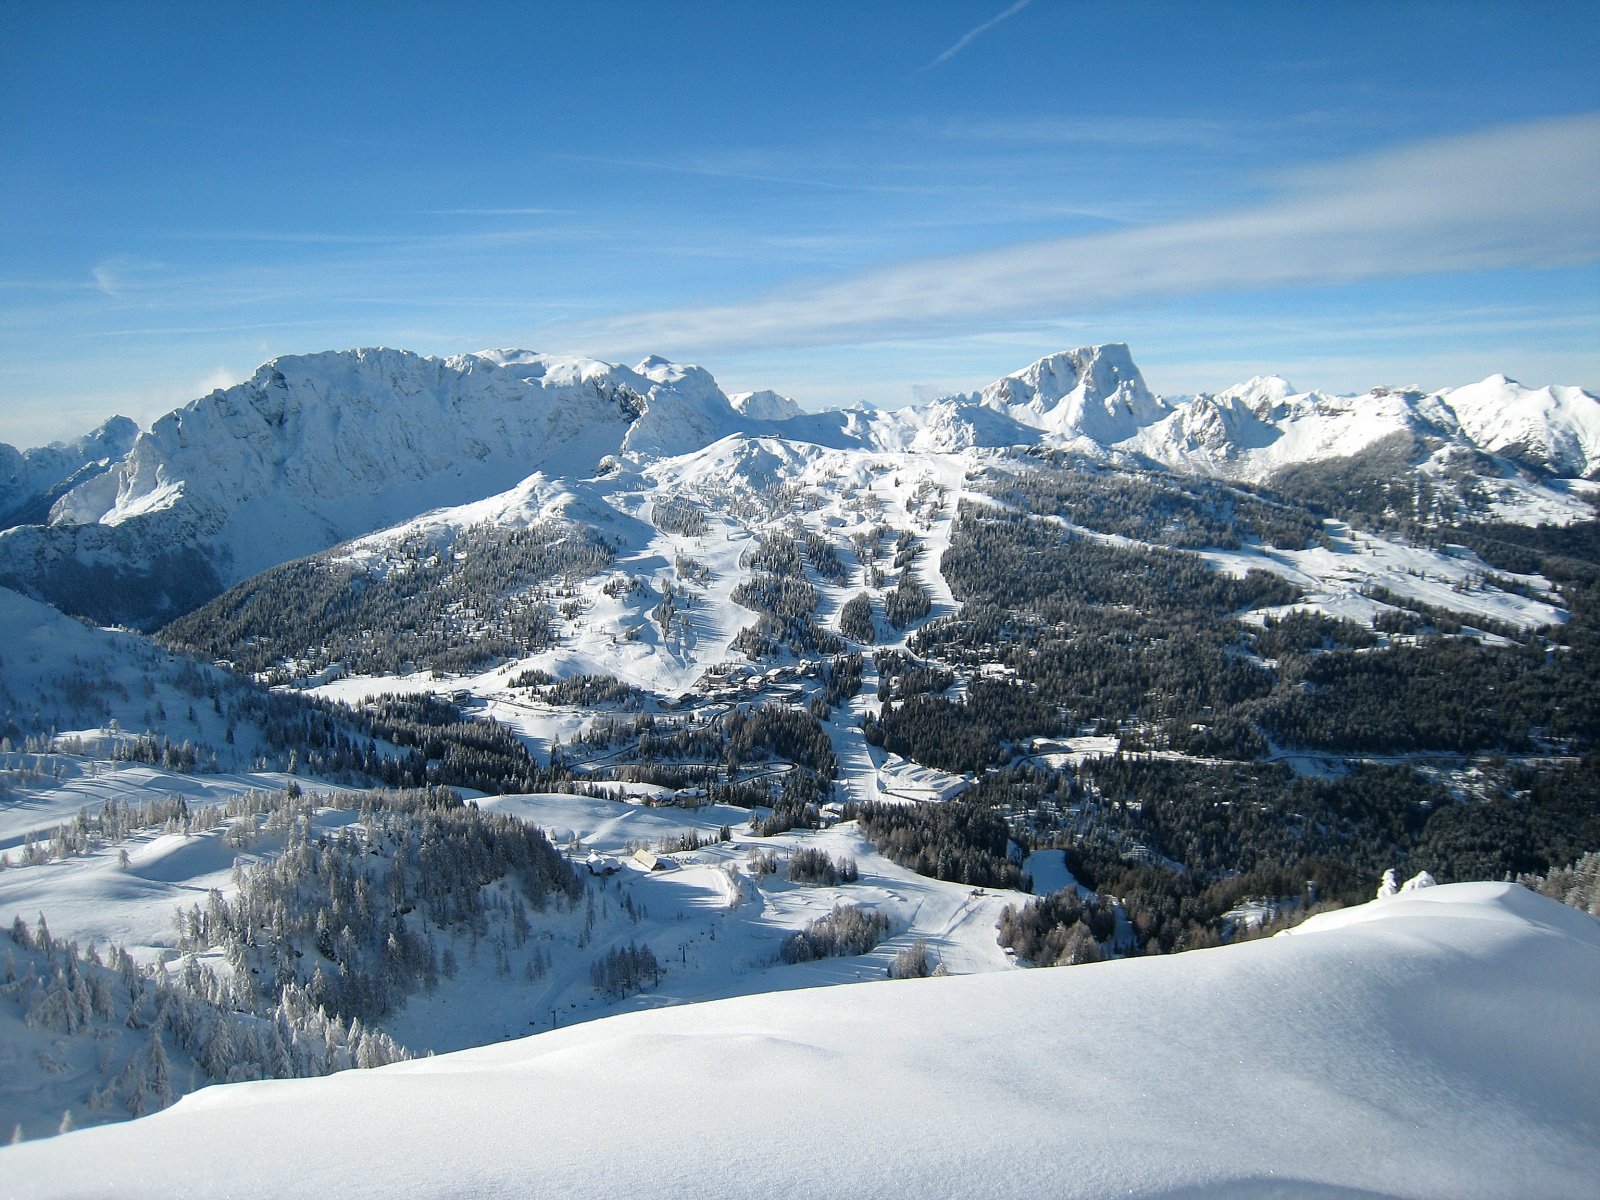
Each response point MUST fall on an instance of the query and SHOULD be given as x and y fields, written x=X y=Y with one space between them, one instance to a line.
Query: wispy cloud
x=1520 y=196
x=973 y=34
x=498 y=212
x=219 y=378
x=1189 y=132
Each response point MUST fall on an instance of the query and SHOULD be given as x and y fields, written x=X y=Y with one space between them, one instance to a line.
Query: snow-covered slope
x=1443 y=1043
x=32 y=480
x=1254 y=429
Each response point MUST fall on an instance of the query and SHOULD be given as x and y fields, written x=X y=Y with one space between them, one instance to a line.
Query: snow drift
x=1443 y=1042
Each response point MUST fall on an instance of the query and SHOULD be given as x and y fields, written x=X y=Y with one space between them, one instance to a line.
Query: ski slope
x=1442 y=1043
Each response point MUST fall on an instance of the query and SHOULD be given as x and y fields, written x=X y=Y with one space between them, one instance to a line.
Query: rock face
x=31 y=481
x=316 y=449
x=1094 y=392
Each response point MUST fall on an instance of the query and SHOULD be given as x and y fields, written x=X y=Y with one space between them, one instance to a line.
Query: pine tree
x=158 y=1072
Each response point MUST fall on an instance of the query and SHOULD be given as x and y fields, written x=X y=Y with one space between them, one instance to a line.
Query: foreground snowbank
x=1440 y=1043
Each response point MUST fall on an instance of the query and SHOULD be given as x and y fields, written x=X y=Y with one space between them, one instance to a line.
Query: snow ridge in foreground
x=1439 y=1043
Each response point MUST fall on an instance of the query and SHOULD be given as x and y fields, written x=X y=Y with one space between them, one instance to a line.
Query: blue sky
x=844 y=202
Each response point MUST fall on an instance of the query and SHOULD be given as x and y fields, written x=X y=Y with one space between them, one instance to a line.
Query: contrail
x=967 y=39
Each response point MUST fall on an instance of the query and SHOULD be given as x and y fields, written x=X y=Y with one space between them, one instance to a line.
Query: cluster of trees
x=349 y=918
x=161 y=752
x=1105 y=634
x=908 y=602
x=108 y=593
x=112 y=822
x=825 y=561
x=623 y=970
x=449 y=605
x=1171 y=910
x=131 y=1015
x=855 y=619
x=1444 y=694
x=779 y=731
x=847 y=930
x=958 y=842
x=414 y=740
x=901 y=676
x=779 y=593
x=1185 y=514
x=1180 y=844
x=1061 y=930
x=965 y=735
x=1415 y=615
x=1577 y=885
x=783 y=597
x=1379 y=489
x=775 y=553
x=436 y=746
x=1016 y=561
x=912 y=963
x=679 y=517
x=814 y=867
x=788 y=813
x=1302 y=631
x=841 y=678
x=581 y=691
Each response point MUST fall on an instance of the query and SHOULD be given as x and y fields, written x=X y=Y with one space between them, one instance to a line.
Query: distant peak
x=506 y=357
x=765 y=405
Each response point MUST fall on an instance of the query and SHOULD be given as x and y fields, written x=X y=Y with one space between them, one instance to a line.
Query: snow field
x=1437 y=1044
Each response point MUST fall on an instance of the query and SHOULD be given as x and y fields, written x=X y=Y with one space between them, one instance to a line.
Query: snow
x=765 y=405
x=1452 y=579
x=31 y=479
x=1440 y=1044
x=904 y=781
x=1555 y=428
x=1290 y=1050
x=1093 y=392
x=318 y=448
x=1049 y=871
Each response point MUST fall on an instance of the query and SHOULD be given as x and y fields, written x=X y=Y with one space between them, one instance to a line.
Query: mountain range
x=313 y=450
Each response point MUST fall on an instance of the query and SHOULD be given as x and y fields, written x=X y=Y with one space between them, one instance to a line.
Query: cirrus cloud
x=1523 y=196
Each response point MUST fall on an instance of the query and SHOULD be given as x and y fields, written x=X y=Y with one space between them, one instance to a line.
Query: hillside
x=1439 y=1044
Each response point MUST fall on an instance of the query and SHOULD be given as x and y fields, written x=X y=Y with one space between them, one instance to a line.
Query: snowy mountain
x=1440 y=1043
x=1094 y=392
x=1094 y=401
x=765 y=405
x=33 y=480
x=1554 y=429
x=317 y=449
